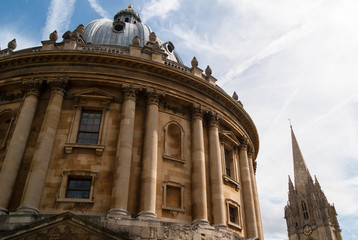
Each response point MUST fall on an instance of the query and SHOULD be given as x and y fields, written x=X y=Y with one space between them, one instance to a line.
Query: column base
x=220 y=226
x=203 y=223
x=30 y=210
x=4 y=211
x=147 y=215
x=117 y=213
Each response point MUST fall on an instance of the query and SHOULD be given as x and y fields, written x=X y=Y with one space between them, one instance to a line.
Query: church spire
x=302 y=175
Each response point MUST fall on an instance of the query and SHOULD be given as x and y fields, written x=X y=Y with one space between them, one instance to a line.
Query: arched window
x=304 y=210
x=6 y=120
x=173 y=142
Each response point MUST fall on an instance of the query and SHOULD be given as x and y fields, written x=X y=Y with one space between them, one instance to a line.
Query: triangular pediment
x=230 y=136
x=64 y=226
x=93 y=93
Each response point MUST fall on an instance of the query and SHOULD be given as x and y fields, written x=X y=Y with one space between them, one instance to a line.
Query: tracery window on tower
x=304 y=210
x=229 y=156
x=173 y=142
x=6 y=121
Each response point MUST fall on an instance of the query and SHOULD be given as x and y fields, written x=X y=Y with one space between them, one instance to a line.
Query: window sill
x=173 y=209
x=231 y=182
x=69 y=147
x=74 y=200
x=234 y=226
x=169 y=158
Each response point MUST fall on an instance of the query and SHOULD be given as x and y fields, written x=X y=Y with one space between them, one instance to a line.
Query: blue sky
x=294 y=59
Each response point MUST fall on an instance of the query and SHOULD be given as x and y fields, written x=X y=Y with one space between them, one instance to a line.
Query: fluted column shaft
x=16 y=148
x=36 y=178
x=150 y=159
x=198 y=178
x=216 y=180
x=256 y=196
x=122 y=170
x=249 y=205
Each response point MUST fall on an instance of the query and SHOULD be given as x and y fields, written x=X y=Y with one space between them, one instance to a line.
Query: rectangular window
x=227 y=163
x=78 y=188
x=173 y=197
x=89 y=127
x=233 y=214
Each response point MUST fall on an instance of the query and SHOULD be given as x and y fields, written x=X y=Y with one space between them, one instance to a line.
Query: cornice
x=171 y=72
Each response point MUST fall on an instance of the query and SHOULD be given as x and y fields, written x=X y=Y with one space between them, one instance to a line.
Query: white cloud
x=58 y=17
x=159 y=8
x=98 y=8
x=22 y=39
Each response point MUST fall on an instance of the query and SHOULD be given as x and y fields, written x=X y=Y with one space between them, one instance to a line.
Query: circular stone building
x=107 y=135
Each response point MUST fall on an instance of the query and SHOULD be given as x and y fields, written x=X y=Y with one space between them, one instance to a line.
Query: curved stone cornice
x=10 y=67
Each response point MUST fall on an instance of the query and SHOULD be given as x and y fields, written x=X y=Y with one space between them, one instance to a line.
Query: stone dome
x=120 y=31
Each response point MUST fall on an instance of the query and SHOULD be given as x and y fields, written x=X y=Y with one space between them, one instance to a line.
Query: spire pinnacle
x=301 y=173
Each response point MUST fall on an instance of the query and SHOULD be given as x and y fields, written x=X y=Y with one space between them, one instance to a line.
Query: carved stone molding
x=153 y=97
x=213 y=119
x=244 y=144
x=33 y=86
x=58 y=84
x=130 y=92
x=197 y=111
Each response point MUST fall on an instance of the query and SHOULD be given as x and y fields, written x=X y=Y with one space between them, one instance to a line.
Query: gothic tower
x=308 y=214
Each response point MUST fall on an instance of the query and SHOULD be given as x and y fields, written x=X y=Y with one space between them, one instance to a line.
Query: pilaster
x=216 y=180
x=150 y=157
x=36 y=179
x=18 y=142
x=198 y=177
x=121 y=179
x=248 y=196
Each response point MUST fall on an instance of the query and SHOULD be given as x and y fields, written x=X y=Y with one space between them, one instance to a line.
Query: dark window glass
x=227 y=163
x=304 y=210
x=78 y=188
x=89 y=127
x=232 y=214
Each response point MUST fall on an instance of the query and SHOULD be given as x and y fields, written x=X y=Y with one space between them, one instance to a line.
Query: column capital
x=33 y=86
x=244 y=144
x=130 y=92
x=58 y=84
x=213 y=119
x=197 y=111
x=153 y=96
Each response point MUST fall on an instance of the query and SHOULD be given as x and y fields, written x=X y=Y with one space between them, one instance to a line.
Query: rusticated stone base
x=97 y=227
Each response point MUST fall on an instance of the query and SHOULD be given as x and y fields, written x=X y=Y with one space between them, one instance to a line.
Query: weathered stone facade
x=308 y=214
x=123 y=142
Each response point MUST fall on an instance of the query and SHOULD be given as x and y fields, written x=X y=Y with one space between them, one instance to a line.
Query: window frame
x=79 y=174
x=166 y=155
x=229 y=145
x=231 y=204
x=89 y=100
x=165 y=205
x=81 y=124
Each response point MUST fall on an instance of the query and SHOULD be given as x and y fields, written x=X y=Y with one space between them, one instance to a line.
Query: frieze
x=143 y=66
x=11 y=96
x=175 y=109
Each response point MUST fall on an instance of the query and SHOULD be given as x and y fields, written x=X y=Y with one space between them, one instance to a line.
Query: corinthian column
x=216 y=180
x=198 y=178
x=256 y=196
x=36 y=179
x=150 y=158
x=249 y=205
x=124 y=155
x=17 y=145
